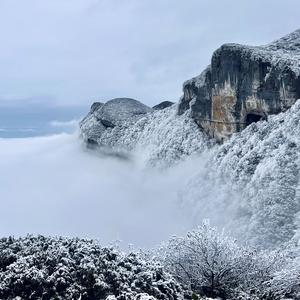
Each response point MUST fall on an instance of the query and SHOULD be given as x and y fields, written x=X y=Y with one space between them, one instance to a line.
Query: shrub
x=214 y=265
x=61 y=268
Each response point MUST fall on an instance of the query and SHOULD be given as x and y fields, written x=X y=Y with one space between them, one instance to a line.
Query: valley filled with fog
x=53 y=185
x=163 y=181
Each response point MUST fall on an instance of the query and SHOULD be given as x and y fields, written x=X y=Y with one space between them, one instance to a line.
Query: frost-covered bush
x=213 y=264
x=61 y=268
x=204 y=263
x=285 y=283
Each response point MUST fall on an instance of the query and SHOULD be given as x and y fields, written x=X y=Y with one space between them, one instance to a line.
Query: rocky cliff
x=244 y=84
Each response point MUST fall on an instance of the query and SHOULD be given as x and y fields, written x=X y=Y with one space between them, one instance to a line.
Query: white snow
x=251 y=183
x=160 y=137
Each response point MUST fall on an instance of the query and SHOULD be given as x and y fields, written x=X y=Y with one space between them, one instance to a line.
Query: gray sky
x=73 y=52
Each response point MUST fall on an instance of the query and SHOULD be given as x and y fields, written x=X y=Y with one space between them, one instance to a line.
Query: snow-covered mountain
x=250 y=182
x=242 y=85
x=161 y=137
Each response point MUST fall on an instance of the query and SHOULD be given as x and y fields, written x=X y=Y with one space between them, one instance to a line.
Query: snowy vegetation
x=251 y=182
x=249 y=186
x=212 y=264
x=160 y=137
x=202 y=264
x=263 y=162
x=61 y=268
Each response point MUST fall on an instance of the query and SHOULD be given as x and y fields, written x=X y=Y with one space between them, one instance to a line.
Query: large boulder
x=113 y=113
x=244 y=84
x=117 y=110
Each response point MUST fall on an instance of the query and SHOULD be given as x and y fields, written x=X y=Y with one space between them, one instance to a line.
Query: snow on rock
x=161 y=137
x=118 y=110
x=113 y=113
x=163 y=105
x=63 y=268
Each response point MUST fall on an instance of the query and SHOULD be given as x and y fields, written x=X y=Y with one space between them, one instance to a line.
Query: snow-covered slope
x=241 y=84
x=285 y=50
x=243 y=81
x=160 y=137
x=251 y=183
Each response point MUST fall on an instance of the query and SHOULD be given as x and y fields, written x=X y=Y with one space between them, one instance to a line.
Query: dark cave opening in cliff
x=253 y=118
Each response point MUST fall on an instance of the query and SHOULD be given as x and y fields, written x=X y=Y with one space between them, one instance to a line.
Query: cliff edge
x=244 y=84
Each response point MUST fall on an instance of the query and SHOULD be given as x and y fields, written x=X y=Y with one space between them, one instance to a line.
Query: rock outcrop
x=163 y=105
x=160 y=137
x=244 y=84
x=113 y=113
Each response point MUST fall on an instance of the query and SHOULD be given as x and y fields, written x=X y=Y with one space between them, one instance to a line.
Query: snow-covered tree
x=213 y=264
x=62 y=268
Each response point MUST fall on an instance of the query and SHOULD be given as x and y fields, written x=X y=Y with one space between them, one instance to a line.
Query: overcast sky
x=73 y=52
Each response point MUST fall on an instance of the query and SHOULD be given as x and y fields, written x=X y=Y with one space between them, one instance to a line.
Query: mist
x=53 y=185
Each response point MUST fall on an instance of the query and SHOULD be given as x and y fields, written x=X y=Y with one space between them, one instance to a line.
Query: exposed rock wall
x=244 y=84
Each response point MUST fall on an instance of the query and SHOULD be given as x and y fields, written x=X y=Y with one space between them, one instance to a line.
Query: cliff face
x=244 y=84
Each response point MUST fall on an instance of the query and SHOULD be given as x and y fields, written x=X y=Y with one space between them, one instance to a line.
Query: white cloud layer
x=78 y=51
x=51 y=185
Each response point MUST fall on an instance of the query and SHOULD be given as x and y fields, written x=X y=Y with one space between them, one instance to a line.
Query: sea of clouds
x=53 y=185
